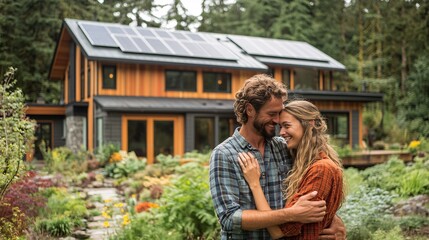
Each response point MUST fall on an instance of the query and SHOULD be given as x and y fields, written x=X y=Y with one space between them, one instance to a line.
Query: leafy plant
x=16 y=131
x=186 y=206
x=57 y=226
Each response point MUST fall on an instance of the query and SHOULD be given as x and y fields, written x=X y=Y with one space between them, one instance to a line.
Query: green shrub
x=57 y=226
x=125 y=167
x=367 y=210
x=410 y=223
x=392 y=234
x=415 y=182
x=146 y=225
x=187 y=207
x=353 y=180
x=104 y=152
x=386 y=176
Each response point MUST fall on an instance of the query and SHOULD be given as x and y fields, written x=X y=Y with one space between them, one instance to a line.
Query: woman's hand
x=250 y=167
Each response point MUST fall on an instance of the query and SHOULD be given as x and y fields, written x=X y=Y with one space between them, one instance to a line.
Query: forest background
x=383 y=44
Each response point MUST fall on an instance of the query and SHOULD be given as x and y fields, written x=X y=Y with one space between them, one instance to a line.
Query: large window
x=180 y=80
x=151 y=136
x=82 y=77
x=217 y=82
x=338 y=126
x=109 y=77
x=306 y=79
x=207 y=136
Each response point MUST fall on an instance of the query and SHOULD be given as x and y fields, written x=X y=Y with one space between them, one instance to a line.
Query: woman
x=317 y=167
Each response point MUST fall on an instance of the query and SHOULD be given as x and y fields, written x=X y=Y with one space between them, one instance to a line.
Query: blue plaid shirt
x=230 y=192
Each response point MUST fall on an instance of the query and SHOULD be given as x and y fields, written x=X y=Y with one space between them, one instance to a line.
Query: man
x=257 y=107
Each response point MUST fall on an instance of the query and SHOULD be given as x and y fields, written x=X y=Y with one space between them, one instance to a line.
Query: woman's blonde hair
x=314 y=141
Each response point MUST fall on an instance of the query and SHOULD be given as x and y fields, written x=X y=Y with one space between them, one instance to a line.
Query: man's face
x=267 y=118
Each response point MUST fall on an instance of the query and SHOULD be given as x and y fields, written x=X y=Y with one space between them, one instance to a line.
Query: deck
x=370 y=158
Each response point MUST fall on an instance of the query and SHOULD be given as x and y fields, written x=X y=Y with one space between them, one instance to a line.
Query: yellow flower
x=126 y=220
x=414 y=144
x=108 y=200
x=105 y=215
x=106 y=224
x=118 y=205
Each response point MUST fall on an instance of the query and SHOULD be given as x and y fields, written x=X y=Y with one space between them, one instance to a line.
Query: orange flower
x=144 y=206
x=115 y=157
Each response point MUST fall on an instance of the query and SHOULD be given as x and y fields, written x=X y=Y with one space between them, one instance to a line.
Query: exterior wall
x=149 y=81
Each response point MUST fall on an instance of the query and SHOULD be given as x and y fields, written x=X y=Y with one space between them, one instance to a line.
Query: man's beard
x=260 y=127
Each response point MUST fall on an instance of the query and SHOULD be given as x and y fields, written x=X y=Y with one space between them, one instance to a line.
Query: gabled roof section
x=115 y=42
x=286 y=53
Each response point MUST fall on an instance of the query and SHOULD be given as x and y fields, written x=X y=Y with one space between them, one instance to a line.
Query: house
x=157 y=91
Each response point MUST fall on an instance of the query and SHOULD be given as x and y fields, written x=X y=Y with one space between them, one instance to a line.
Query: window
x=99 y=137
x=163 y=137
x=286 y=78
x=43 y=133
x=271 y=72
x=338 y=126
x=327 y=81
x=205 y=132
x=88 y=81
x=109 y=77
x=82 y=77
x=217 y=82
x=137 y=134
x=306 y=79
x=180 y=81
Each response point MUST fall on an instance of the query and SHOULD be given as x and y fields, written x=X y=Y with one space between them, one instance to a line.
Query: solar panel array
x=278 y=48
x=156 y=41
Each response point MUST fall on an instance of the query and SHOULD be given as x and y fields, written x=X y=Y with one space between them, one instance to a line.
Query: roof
x=286 y=53
x=169 y=105
x=336 y=96
x=133 y=44
x=115 y=42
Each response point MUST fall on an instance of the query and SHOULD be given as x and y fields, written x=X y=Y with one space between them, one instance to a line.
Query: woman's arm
x=251 y=171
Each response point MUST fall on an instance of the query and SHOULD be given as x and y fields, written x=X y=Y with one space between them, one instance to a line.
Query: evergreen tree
x=178 y=14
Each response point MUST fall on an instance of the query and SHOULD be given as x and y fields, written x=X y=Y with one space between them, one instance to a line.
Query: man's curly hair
x=257 y=90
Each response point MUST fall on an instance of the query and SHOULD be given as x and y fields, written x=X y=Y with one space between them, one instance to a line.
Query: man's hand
x=337 y=230
x=306 y=211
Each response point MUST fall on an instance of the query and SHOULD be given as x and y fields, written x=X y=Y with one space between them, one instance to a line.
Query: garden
x=170 y=199
x=113 y=194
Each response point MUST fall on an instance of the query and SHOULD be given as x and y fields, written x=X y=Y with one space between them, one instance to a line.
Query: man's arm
x=336 y=231
x=303 y=211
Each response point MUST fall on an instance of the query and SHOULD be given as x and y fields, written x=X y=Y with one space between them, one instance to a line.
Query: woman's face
x=291 y=130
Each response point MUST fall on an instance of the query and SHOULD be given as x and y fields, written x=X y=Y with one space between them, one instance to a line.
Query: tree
x=16 y=131
x=415 y=105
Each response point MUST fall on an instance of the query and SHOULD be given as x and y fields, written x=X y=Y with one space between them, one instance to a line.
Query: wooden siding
x=149 y=81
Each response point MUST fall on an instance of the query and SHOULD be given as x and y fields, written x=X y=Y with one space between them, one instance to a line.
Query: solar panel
x=163 y=34
x=144 y=46
x=158 y=46
x=156 y=41
x=177 y=48
x=126 y=44
x=278 y=48
x=116 y=29
x=146 y=32
x=97 y=35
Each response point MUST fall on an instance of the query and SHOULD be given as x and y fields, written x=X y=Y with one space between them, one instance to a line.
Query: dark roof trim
x=163 y=105
x=336 y=96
